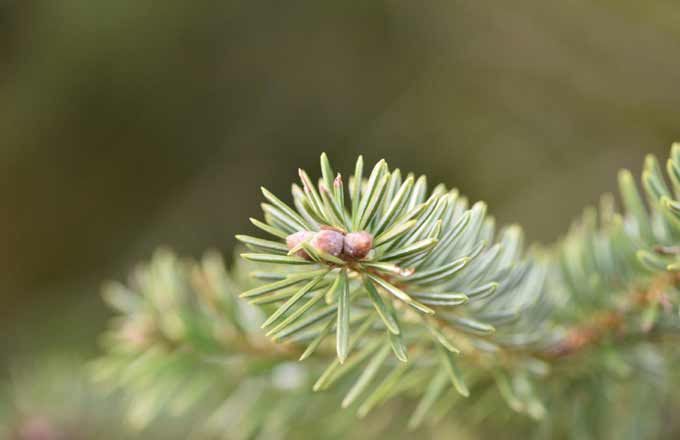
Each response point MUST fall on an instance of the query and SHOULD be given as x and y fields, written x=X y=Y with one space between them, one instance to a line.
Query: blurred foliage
x=51 y=397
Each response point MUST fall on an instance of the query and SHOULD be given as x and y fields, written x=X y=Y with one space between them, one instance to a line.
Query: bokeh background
x=130 y=124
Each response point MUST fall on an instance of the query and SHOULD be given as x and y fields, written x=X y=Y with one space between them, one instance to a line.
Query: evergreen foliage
x=412 y=303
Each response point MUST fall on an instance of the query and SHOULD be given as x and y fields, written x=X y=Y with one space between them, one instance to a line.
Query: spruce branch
x=429 y=269
x=397 y=293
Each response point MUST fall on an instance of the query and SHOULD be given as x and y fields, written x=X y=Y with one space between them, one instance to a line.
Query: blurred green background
x=131 y=124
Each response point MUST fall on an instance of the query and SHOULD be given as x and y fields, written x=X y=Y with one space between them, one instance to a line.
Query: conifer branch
x=420 y=290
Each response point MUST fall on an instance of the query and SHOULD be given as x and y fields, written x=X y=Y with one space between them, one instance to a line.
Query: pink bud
x=295 y=239
x=329 y=241
x=358 y=244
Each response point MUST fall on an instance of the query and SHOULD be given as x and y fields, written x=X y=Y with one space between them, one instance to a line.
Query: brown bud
x=295 y=239
x=329 y=241
x=358 y=244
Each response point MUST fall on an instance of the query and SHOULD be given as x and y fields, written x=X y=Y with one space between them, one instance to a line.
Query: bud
x=329 y=241
x=358 y=244
x=295 y=239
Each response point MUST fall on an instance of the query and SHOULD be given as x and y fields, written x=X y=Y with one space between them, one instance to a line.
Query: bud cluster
x=351 y=246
